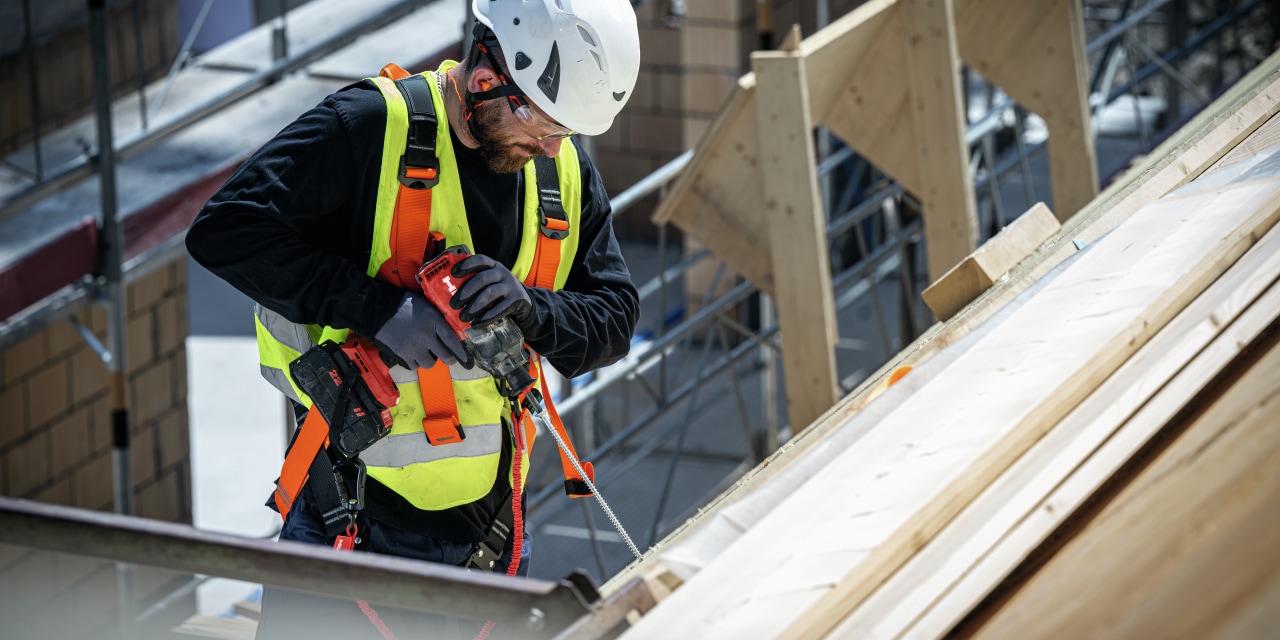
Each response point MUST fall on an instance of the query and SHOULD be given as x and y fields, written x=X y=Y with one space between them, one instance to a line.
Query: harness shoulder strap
x=553 y=225
x=419 y=171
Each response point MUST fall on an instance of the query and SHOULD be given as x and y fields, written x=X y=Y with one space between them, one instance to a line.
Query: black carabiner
x=351 y=475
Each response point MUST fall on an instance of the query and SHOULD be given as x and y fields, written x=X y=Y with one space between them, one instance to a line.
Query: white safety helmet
x=577 y=60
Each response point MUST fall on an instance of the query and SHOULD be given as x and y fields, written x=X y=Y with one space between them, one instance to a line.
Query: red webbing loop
x=347 y=543
x=313 y=436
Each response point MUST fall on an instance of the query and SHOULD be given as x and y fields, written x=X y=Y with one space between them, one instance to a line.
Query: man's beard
x=502 y=157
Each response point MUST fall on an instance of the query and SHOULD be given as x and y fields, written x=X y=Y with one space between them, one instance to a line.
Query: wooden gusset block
x=984 y=267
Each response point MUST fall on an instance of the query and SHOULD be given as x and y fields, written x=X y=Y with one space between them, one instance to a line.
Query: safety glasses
x=537 y=126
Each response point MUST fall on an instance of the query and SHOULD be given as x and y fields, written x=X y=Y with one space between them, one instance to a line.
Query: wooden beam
x=716 y=200
x=967 y=560
x=871 y=112
x=1035 y=51
x=946 y=193
x=796 y=228
x=1181 y=548
x=985 y=266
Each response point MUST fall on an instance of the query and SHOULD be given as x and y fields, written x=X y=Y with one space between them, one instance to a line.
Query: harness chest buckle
x=421 y=177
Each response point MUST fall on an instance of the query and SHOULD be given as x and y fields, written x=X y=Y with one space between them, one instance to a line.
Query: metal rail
x=537 y=608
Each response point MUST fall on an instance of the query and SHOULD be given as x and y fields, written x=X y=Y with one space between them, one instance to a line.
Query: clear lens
x=538 y=127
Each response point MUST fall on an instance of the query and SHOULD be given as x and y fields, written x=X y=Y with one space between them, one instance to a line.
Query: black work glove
x=418 y=335
x=493 y=292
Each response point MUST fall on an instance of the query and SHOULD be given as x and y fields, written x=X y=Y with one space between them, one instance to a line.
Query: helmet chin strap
x=482 y=38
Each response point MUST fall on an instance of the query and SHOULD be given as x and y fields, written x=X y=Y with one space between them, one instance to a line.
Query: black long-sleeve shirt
x=293 y=227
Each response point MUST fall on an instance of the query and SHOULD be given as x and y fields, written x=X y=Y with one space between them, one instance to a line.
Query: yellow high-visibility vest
x=431 y=477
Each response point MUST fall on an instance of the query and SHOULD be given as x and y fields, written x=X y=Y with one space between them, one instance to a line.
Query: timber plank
x=1146 y=272
x=1267 y=136
x=924 y=598
x=902 y=481
x=1181 y=158
x=1176 y=551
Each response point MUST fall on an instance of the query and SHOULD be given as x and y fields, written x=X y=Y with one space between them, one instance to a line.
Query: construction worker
x=312 y=227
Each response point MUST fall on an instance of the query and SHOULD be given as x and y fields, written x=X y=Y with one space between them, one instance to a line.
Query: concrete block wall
x=55 y=407
x=55 y=447
x=64 y=69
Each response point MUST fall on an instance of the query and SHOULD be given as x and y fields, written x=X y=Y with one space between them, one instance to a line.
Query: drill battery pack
x=352 y=389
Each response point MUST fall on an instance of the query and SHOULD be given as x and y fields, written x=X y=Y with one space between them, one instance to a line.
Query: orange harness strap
x=573 y=484
x=412 y=242
x=553 y=226
x=440 y=405
x=313 y=435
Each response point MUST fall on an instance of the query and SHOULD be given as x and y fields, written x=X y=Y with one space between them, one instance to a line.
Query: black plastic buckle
x=432 y=164
x=549 y=199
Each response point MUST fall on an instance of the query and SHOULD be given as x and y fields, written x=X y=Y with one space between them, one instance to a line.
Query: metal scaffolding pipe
x=82 y=167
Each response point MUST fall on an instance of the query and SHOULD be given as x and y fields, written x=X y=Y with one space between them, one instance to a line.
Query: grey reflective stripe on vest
x=280 y=381
x=401 y=375
x=459 y=372
x=290 y=334
x=412 y=448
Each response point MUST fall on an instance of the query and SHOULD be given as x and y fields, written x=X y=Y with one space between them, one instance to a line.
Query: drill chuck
x=498 y=349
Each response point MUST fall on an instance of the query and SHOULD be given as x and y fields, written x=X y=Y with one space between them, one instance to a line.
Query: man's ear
x=482 y=79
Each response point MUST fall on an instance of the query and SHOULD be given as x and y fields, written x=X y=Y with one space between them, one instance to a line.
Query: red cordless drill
x=497 y=347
